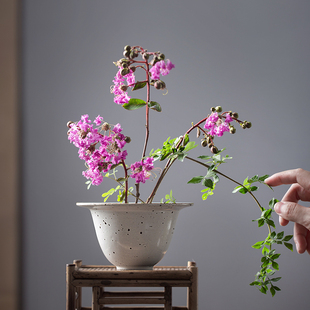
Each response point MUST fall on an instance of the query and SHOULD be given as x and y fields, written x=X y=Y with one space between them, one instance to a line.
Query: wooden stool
x=102 y=277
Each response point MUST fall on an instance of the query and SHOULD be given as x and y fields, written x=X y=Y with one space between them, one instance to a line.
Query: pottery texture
x=134 y=236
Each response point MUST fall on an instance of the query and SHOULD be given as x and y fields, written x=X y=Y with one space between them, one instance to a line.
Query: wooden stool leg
x=168 y=298
x=96 y=295
x=70 y=302
x=78 y=290
x=192 y=291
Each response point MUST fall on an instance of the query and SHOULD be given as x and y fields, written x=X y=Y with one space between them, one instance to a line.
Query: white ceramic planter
x=134 y=236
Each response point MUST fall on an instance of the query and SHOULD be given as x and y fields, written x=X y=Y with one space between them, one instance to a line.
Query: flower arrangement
x=102 y=147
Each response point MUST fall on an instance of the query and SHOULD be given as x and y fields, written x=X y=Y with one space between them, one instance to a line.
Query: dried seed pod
x=204 y=143
x=198 y=132
x=69 y=124
x=106 y=126
x=160 y=84
x=214 y=149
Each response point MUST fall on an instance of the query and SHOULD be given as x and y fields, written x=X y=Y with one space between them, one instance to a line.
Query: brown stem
x=126 y=182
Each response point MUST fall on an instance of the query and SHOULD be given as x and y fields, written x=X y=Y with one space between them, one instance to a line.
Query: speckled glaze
x=134 y=236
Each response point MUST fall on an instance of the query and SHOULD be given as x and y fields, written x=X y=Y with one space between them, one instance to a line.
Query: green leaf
x=207 y=183
x=243 y=190
x=186 y=139
x=289 y=246
x=139 y=85
x=275 y=265
x=134 y=104
x=195 y=180
x=258 y=245
x=272 y=202
x=288 y=238
x=271 y=223
x=275 y=256
x=189 y=146
x=261 y=222
x=272 y=291
x=280 y=235
x=237 y=189
x=154 y=106
x=253 y=188
x=263 y=178
x=253 y=179
x=275 y=279
x=204 y=157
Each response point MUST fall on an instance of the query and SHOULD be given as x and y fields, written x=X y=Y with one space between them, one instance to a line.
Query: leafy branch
x=263 y=278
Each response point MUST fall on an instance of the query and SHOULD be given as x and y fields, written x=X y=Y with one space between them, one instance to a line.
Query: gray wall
x=248 y=56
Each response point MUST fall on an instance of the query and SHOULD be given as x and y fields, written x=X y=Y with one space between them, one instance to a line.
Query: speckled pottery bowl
x=134 y=236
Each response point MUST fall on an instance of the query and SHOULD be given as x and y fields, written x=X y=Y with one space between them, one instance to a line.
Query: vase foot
x=135 y=268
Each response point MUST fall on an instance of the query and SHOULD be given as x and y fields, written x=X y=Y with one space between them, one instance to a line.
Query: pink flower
x=216 y=125
x=120 y=95
x=141 y=169
x=98 y=120
x=228 y=118
x=109 y=147
x=161 y=68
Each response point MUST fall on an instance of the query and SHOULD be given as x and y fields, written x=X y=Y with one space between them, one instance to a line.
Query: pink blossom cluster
x=216 y=125
x=141 y=170
x=120 y=95
x=99 y=151
x=162 y=68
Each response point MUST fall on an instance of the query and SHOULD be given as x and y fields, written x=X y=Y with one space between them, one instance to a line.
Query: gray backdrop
x=248 y=56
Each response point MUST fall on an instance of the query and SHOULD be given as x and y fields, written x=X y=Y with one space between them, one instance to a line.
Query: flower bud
x=145 y=56
x=127 y=139
x=126 y=54
x=204 y=143
x=106 y=126
x=214 y=149
x=125 y=71
x=83 y=134
x=132 y=68
x=159 y=84
x=91 y=149
x=154 y=60
x=218 y=109
x=232 y=129
x=127 y=48
x=69 y=124
x=161 y=56
x=124 y=87
x=248 y=124
x=133 y=54
x=235 y=115
x=213 y=109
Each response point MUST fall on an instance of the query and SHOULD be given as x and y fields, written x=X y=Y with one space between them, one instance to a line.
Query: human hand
x=289 y=209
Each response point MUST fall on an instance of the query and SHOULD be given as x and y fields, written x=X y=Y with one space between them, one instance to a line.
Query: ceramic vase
x=134 y=236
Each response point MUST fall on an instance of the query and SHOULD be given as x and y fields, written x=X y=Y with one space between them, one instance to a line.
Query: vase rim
x=132 y=205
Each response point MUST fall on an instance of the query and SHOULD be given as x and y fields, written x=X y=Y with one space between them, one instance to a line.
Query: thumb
x=294 y=212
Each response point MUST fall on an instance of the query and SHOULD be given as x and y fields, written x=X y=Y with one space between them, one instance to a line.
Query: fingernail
x=277 y=207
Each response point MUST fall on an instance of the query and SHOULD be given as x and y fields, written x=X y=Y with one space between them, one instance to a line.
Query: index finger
x=299 y=176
